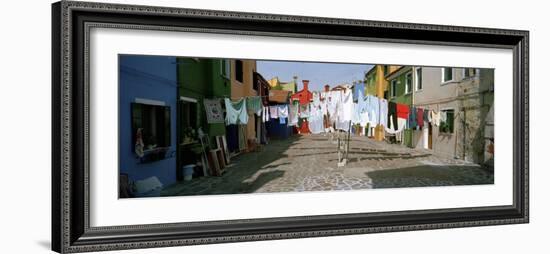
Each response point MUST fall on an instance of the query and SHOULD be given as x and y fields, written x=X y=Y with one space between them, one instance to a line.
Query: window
x=447 y=121
x=239 y=70
x=408 y=83
x=385 y=70
x=393 y=88
x=447 y=74
x=418 y=79
x=188 y=114
x=152 y=123
x=226 y=69
x=470 y=72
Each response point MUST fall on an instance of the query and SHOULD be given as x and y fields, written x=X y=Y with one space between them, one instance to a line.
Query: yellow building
x=242 y=85
x=376 y=82
x=276 y=84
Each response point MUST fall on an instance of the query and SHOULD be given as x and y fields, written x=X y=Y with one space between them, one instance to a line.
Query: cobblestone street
x=309 y=163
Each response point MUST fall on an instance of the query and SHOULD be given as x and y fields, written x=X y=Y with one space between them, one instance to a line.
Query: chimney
x=327 y=88
x=306 y=83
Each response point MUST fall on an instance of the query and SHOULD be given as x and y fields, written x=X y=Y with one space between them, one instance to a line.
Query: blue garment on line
x=412 y=118
x=373 y=107
x=358 y=91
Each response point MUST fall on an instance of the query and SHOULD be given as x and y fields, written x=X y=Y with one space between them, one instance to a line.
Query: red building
x=303 y=97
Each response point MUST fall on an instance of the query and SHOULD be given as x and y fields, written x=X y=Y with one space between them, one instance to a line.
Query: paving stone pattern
x=309 y=163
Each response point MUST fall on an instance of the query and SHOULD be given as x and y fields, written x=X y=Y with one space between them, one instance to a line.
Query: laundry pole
x=381 y=84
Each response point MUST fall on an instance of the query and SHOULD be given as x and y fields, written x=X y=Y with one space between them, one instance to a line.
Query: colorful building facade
x=199 y=79
x=242 y=86
x=466 y=96
x=147 y=118
x=291 y=86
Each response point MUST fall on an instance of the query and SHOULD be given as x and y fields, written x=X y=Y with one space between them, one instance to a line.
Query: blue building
x=147 y=117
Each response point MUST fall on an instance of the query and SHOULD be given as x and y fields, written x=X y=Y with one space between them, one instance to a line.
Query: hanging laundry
x=356 y=114
x=420 y=117
x=364 y=119
x=392 y=114
x=362 y=102
x=235 y=112
x=358 y=91
x=412 y=118
x=396 y=127
x=323 y=104
x=344 y=111
x=436 y=117
x=282 y=110
x=273 y=112
x=347 y=106
x=254 y=105
x=214 y=112
x=401 y=124
x=304 y=111
x=383 y=112
x=374 y=110
x=315 y=119
x=402 y=111
x=334 y=99
x=443 y=116
x=265 y=114
x=293 y=113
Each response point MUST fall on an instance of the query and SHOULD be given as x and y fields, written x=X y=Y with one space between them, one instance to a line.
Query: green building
x=400 y=90
x=199 y=79
x=401 y=85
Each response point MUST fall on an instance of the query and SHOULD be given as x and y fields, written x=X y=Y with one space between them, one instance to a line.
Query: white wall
x=25 y=126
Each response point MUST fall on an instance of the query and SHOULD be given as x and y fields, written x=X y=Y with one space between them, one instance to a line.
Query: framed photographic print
x=181 y=126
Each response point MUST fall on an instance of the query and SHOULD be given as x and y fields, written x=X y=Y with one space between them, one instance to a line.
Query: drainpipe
x=413 y=88
x=464 y=133
x=413 y=85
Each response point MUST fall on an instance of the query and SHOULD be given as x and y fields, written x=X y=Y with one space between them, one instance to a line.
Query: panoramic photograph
x=207 y=126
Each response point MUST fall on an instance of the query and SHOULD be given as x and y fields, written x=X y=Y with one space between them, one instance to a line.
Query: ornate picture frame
x=71 y=23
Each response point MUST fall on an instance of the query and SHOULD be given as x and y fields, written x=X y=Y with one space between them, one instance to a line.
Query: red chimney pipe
x=306 y=85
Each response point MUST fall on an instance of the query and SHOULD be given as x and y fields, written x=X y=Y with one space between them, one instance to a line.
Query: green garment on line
x=254 y=105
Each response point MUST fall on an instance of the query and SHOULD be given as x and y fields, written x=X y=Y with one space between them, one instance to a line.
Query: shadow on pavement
x=430 y=175
x=236 y=178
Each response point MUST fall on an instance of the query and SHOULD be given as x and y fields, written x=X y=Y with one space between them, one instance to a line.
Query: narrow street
x=309 y=163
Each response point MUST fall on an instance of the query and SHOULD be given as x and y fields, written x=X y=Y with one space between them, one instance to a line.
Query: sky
x=318 y=74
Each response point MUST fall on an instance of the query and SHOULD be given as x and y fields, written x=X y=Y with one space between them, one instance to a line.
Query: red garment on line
x=402 y=110
x=420 y=117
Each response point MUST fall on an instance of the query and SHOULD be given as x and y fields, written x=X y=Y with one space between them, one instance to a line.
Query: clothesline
x=340 y=110
x=237 y=98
